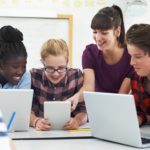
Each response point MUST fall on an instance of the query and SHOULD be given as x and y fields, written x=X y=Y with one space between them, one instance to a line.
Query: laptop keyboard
x=145 y=141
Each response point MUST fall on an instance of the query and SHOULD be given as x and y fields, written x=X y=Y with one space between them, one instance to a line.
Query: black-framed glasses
x=52 y=70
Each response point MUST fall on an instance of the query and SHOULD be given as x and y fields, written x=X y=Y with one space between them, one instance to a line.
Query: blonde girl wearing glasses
x=55 y=82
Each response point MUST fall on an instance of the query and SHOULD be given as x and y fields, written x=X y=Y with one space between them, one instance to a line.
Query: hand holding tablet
x=57 y=113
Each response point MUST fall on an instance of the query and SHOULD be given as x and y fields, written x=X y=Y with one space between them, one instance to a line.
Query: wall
x=82 y=11
x=35 y=32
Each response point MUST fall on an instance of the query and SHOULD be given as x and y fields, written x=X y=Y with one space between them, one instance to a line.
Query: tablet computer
x=58 y=113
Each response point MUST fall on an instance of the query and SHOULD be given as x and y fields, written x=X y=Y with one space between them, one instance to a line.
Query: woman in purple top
x=106 y=64
x=107 y=77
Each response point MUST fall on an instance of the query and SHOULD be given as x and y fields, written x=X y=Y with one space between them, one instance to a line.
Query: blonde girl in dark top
x=55 y=82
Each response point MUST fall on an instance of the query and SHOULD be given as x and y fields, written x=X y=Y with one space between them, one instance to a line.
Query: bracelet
x=35 y=122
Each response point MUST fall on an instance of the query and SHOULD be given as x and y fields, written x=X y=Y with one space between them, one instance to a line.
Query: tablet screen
x=58 y=113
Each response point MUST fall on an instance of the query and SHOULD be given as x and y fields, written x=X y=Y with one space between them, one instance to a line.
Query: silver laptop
x=16 y=101
x=113 y=117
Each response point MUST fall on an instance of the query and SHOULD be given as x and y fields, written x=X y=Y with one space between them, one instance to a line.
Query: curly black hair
x=11 y=44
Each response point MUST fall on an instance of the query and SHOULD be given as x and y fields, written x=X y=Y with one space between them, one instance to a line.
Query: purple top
x=108 y=78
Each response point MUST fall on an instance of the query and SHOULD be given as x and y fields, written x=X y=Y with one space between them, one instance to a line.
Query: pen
x=11 y=120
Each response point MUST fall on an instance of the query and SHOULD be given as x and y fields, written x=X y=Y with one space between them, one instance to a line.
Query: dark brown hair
x=139 y=35
x=110 y=18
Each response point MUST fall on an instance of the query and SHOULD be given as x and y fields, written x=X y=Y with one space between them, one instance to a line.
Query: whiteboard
x=36 y=31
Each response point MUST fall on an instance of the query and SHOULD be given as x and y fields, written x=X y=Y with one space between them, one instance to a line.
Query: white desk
x=66 y=143
x=4 y=143
x=32 y=134
x=70 y=144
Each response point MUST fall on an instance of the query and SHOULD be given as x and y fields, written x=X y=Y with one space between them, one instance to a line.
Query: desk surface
x=71 y=144
x=4 y=143
x=32 y=134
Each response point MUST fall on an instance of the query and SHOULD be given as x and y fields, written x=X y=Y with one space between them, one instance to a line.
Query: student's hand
x=72 y=124
x=140 y=120
x=42 y=124
x=74 y=101
x=148 y=119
